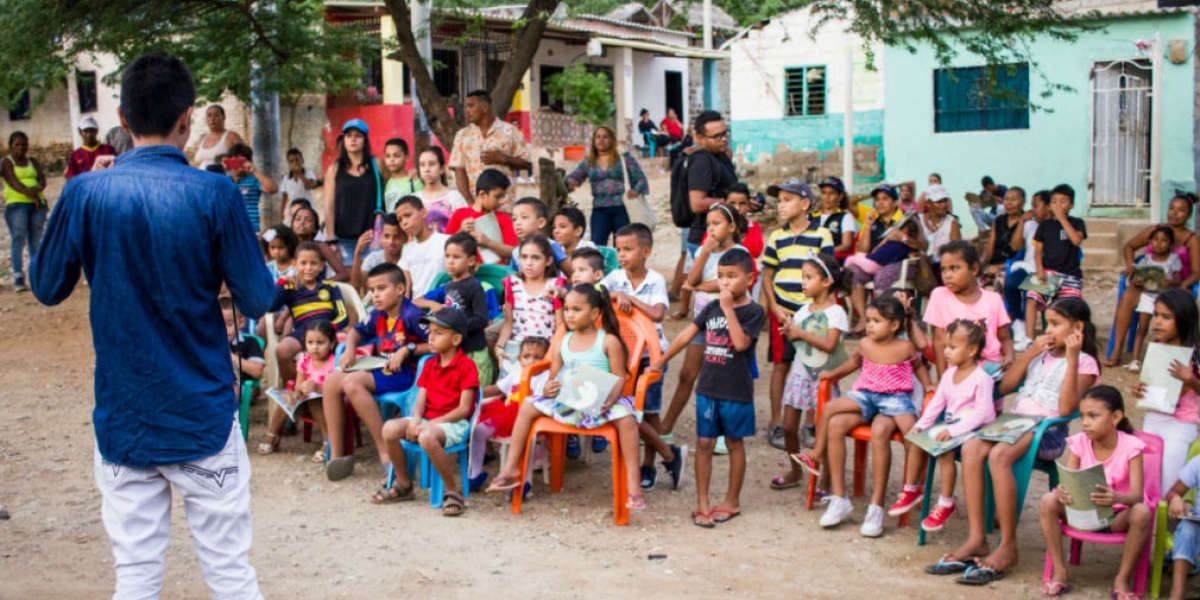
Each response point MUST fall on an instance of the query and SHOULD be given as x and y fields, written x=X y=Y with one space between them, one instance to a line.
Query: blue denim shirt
x=156 y=238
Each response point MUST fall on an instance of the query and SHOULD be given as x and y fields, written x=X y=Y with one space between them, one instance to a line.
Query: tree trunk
x=525 y=45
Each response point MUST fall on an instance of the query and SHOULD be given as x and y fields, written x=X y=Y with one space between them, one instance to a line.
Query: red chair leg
x=307 y=432
x=558 y=460
x=811 y=493
x=1076 y=550
x=620 y=477
x=860 y=468
x=518 y=493
x=350 y=430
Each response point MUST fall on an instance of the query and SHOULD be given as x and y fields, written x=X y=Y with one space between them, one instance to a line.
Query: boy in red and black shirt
x=83 y=157
x=395 y=329
x=446 y=394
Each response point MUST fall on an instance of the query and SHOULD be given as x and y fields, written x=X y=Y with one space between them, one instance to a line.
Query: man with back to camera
x=156 y=239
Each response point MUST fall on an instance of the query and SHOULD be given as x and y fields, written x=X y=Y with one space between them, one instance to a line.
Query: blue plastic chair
x=1133 y=323
x=247 y=395
x=429 y=478
x=649 y=146
x=610 y=258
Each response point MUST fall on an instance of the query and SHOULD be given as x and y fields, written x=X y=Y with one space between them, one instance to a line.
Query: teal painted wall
x=804 y=134
x=1055 y=149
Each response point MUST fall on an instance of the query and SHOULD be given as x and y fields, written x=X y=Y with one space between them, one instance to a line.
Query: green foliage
x=220 y=41
x=586 y=96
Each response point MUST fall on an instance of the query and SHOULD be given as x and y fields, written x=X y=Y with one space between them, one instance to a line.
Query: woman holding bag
x=353 y=191
x=608 y=174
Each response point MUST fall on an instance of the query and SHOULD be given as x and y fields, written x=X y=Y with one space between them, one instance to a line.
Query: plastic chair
x=270 y=378
x=355 y=310
x=610 y=258
x=862 y=437
x=637 y=330
x=1164 y=538
x=248 y=394
x=429 y=478
x=649 y=146
x=1133 y=323
x=1152 y=492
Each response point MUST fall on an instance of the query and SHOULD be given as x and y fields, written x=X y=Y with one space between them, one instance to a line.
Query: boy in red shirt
x=83 y=157
x=492 y=230
x=447 y=389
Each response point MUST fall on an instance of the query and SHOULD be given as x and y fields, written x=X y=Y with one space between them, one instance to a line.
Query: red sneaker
x=906 y=502
x=937 y=517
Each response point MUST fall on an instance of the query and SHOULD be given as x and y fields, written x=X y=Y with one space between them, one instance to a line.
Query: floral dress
x=532 y=316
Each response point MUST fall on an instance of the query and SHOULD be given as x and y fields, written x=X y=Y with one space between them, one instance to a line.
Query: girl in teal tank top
x=24 y=204
x=599 y=348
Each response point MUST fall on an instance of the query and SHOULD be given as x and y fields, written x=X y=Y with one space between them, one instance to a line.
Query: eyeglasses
x=719 y=136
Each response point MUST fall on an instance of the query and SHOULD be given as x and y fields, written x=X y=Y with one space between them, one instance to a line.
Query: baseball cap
x=937 y=193
x=887 y=189
x=833 y=182
x=450 y=318
x=795 y=186
x=88 y=122
x=358 y=124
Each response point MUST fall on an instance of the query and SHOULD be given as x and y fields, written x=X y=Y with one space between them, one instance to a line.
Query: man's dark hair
x=392 y=270
x=574 y=215
x=411 y=200
x=644 y=236
x=241 y=150
x=481 y=95
x=1065 y=190
x=491 y=179
x=592 y=256
x=397 y=142
x=295 y=152
x=737 y=258
x=538 y=206
x=464 y=240
x=1018 y=189
x=155 y=91
x=704 y=118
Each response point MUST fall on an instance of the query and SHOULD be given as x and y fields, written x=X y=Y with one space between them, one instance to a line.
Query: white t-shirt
x=372 y=260
x=653 y=291
x=424 y=261
x=508 y=384
x=294 y=188
x=439 y=210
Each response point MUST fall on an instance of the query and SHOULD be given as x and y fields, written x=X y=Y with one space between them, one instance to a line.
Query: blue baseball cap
x=358 y=124
x=833 y=182
x=887 y=189
x=795 y=186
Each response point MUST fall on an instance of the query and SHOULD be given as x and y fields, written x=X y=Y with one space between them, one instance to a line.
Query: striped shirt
x=785 y=253
x=251 y=191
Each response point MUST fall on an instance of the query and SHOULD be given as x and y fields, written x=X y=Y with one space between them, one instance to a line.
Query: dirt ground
x=317 y=539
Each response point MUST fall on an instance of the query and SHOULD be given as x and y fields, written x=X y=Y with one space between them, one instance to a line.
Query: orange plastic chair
x=862 y=437
x=639 y=334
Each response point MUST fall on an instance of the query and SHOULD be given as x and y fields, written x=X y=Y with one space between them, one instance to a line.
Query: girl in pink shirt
x=314 y=366
x=960 y=297
x=1107 y=439
x=1176 y=323
x=963 y=402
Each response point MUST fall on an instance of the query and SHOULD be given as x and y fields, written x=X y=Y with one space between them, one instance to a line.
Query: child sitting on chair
x=496 y=418
x=1187 y=532
x=446 y=392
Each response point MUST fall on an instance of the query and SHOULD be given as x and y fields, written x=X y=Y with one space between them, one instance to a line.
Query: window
x=85 y=88
x=18 y=109
x=544 y=74
x=981 y=98
x=445 y=71
x=804 y=91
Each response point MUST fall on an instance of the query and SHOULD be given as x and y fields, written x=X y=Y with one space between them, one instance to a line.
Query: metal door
x=1120 y=161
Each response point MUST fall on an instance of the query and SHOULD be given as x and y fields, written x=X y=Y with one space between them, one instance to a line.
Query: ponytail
x=1111 y=397
x=597 y=297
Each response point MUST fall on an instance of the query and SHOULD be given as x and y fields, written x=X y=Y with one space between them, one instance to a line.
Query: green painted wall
x=1055 y=149
x=822 y=134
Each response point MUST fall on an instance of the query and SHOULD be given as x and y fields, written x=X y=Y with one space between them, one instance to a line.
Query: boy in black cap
x=447 y=389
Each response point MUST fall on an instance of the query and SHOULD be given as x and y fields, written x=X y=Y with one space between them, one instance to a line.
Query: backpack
x=682 y=214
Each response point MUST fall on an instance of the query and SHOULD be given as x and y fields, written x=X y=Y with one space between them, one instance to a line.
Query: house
x=789 y=91
x=1099 y=135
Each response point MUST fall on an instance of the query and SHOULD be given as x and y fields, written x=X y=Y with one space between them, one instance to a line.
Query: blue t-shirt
x=389 y=338
x=251 y=191
x=559 y=255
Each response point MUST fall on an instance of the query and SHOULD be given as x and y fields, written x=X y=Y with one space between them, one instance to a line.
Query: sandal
x=980 y=576
x=452 y=504
x=724 y=515
x=807 y=463
x=782 y=483
x=394 y=494
x=502 y=484
x=318 y=456
x=1053 y=589
x=636 y=502
x=947 y=566
x=1134 y=366
x=702 y=519
x=270 y=444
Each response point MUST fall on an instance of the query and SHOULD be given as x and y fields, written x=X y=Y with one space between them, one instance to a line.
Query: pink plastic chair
x=1152 y=467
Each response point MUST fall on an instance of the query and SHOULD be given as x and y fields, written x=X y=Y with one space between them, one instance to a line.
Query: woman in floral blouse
x=604 y=170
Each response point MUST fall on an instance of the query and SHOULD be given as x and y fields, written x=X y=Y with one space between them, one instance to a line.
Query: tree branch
x=528 y=35
x=437 y=109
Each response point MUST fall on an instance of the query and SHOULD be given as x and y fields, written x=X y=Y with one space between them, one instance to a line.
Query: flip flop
x=1053 y=589
x=980 y=576
x=502 y=484
x=807 y=463
x=339 y=468
x=781 y=483
x=725 y=515
x=706 y=523
x=947 y=567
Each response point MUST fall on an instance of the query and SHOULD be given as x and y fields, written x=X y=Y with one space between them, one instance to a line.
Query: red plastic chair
x=351 y=437
x=862 y=437
x=1152 y=491
x=639 y=334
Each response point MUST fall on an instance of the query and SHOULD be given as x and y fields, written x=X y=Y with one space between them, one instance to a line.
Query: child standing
x=395 y=329
x=493 y=230
x=816 y=333
x=446 y=394
x=313 y=369
x=391 y=241
x=881 y=397
x=1187 y=532
x=1107 y=439
x=395 y=165
x=1162 y=239
x=440 y=200
x=310 y=300
x=635 y=286
x=297 y=184
x=960 y=296
x=1014 y=297
x=496 y=418
x=464 y=294
x=1057 y=253
x=281 y=244
x=725 y=390
x=783 y=287
x=423 y=257
x=1051 y=375
x=528 y=310
x=963 y=403
x=602 y=349
x=739 y=199
x=1176 y=323
x=251 y=182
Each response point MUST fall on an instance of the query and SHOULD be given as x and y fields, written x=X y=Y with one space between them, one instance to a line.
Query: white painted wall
x=649 y=84
x=759 y=59
x=108 y=97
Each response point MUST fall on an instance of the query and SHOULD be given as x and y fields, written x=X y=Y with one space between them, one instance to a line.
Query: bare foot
x=969 y=550
x=1003 y=559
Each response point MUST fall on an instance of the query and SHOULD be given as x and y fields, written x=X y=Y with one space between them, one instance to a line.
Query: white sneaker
x=872 y=526
x=839 y=508
x=1018 y=331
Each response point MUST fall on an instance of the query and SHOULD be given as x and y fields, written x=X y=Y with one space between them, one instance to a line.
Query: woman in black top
x=1006 y=239
x=351 y=190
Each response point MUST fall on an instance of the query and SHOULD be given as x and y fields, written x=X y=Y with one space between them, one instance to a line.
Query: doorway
x=673 y=84
x=1120 y=161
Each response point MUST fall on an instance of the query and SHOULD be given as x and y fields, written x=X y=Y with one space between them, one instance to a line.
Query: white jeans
x=136 y=510
x=1177 y=439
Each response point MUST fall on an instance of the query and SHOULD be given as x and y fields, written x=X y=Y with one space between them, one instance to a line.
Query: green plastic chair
x=248 y=394
x=1163 y=538
x=610 y=258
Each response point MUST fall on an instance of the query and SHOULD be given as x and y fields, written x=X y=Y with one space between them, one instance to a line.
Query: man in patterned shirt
x=486 y=143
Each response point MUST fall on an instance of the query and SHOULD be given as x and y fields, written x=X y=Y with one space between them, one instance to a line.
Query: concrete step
x=1101 y=241
x=1102 y=258
x=1098 y=225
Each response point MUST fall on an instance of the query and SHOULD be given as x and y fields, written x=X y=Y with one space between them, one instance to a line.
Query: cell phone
x=236 y=163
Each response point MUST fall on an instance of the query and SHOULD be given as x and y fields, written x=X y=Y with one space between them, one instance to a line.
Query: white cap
x=88 y=122
x=936 y=193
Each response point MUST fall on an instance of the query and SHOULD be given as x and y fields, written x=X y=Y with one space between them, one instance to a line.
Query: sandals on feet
x=318 y=456
x=395 y=494
x=269 y=444
x=1053 y=589
x=702 y=519
x=947 y=566
x=783 y=483
x=452 y=504
x=977 y=575
x=501 y=483
x=724 y=515
x=807 y=463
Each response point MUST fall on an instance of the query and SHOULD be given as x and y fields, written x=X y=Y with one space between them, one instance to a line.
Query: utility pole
x=711 y=97
x=264 y=106
x=420 y=23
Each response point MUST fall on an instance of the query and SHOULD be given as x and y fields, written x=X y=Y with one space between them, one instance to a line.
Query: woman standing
x=352 y=190
x=25 y=206
x=607 y=174
x=217 y=142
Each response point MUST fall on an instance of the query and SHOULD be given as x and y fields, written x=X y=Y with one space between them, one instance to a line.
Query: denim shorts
x=1054 y=442
x=386 y=383
x=1187 y=540
x=887 y=404
x=652 y=404
x=716 y=418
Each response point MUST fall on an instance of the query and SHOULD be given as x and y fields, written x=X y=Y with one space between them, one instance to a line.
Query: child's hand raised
x=726 y=299
x=468 y=225
x=1074 y=343
x=364 y=240
x=1043 y=343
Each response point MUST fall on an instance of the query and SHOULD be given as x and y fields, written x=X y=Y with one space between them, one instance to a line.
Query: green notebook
x=927 y=440
x=1082 y=513
x=1008 y=428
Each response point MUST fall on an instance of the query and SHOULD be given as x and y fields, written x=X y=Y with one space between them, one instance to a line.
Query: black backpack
x=681 y=205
